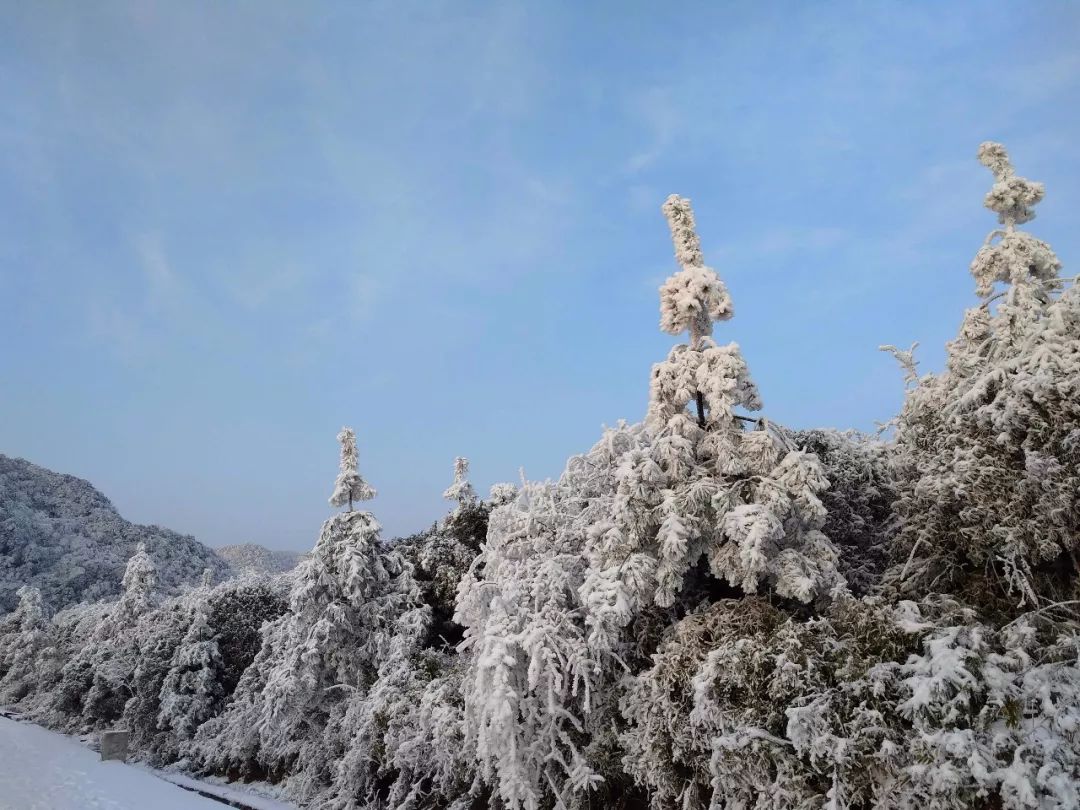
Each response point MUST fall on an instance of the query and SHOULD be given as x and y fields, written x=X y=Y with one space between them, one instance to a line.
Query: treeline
x=706 y=610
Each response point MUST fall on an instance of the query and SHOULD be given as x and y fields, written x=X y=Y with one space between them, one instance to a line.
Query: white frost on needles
x=350 y=486
x=461 y=490
x=695 y=296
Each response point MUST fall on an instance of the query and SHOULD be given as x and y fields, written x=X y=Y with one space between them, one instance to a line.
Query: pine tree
x=140 y=583
x=352 y=600
x=987 y=461
x=705 y=489
x=192 y=688
x=350 y=486
x=24 y=635
x=461 y=490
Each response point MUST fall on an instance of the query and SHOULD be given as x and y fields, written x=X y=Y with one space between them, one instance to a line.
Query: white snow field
x=43 y=770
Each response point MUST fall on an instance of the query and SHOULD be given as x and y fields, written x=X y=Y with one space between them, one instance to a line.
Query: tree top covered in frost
x=349 y=486
x=1016 y=256
x=461 y=490
x=695 y=296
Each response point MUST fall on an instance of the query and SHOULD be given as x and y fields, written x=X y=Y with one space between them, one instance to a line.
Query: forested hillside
x=64 y=537
x=251 y=558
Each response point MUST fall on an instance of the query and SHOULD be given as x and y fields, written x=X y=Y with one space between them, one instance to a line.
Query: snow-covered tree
x=701 y=488
x=24 y=635
x=578 y=579
x=461 y=491
x=349 y=486
x=192 y=689
x=353 y=600
x=988 y=465
x=528 y=682
x=103 y=650
x=140 y=583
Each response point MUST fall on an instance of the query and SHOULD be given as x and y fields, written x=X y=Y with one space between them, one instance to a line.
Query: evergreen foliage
x=987 y=458
x=705 y=610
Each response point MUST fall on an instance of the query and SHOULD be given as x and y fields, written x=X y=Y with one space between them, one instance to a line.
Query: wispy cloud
x=131 y=322
x=660 y=119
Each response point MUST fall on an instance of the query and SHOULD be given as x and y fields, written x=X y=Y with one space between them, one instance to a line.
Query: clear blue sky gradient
x=227 y=229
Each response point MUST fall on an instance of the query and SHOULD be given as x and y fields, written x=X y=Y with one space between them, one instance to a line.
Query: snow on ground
x=43 y=770
x=247 y=797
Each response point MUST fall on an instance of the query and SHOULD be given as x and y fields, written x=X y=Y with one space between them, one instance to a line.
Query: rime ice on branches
x=700 y=488
x=461 y=490
x=986 y=453
x=350 y=486
x=1017 y=257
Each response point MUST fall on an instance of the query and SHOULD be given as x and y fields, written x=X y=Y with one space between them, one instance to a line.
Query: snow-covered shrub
x=192 y=650
x=160 y=634
x=868 y=705
x=237 y=610
x=859 y=501
x=24 y=638
x=988 y=462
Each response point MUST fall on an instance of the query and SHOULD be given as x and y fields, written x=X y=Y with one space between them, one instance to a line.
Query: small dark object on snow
x=114 y=745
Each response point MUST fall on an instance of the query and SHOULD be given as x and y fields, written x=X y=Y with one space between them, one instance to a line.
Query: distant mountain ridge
x=251 y=558
x=61 y=534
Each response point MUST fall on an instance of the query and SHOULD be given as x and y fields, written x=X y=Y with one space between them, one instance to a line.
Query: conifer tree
x=461 y=490
x=988 y=465
x=704 y=488
x=140 y=582
x=351 y=599
x=23 y=636
x=350 y=486
x=192 y=689
x=575 y=577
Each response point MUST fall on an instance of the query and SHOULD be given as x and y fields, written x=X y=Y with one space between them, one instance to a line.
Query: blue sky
x=227 y=229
